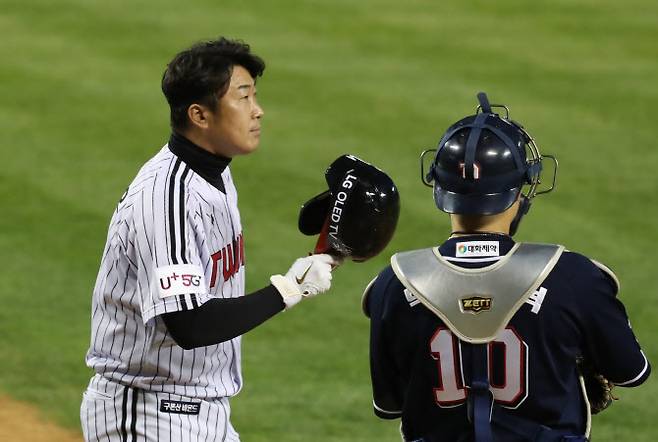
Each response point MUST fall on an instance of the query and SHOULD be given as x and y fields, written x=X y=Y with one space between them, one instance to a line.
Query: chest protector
x=476 y=304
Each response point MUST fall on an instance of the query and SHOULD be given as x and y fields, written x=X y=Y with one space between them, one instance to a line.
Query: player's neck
x=498 y=223
x=492 y=224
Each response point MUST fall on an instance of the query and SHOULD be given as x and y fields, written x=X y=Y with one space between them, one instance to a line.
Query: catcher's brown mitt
x=599 y=389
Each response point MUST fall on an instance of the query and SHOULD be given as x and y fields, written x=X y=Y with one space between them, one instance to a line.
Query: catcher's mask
x=482 y=163
x=357 y=216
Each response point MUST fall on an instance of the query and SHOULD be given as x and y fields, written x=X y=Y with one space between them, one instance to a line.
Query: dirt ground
x=20 y=422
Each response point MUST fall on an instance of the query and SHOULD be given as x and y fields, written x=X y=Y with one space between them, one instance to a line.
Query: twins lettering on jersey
x=232 y=258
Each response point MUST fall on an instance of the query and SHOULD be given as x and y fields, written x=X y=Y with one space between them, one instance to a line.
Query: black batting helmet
x=482 y=162
x=357 y=216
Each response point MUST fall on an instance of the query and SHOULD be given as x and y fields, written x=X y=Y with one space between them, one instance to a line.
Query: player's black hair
x=202 y=73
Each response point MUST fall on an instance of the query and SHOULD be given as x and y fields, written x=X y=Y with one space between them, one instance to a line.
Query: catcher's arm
x=612 y=354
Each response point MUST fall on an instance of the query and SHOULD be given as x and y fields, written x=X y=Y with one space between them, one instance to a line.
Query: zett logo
x=475 y=304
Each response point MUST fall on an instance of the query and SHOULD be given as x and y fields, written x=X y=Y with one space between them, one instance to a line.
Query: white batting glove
x=307 y=277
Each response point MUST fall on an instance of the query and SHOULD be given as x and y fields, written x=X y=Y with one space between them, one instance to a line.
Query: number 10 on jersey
x=508 y=379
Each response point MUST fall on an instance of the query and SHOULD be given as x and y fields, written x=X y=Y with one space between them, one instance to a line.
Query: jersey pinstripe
x=174 y=242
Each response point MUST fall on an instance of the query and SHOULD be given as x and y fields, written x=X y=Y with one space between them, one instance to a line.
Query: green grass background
x=81 y=110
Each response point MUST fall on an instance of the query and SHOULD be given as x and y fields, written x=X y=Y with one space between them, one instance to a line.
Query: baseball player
x=168 y=305
x=483 y=338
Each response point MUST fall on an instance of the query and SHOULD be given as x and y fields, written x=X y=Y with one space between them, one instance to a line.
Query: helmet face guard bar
x=426 y=177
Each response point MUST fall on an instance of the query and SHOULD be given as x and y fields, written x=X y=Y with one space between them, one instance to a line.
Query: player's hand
x=308 y=276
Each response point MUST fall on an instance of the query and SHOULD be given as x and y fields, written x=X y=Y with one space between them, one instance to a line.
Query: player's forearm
x=219 y=320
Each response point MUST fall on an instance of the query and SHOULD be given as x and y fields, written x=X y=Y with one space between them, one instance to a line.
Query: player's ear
x=198 y=115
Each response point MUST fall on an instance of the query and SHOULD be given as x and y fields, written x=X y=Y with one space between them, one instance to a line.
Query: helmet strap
x=524 y=207
x=471 y=146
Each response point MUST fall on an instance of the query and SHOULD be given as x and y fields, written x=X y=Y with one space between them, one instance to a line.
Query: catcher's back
x=573 y=315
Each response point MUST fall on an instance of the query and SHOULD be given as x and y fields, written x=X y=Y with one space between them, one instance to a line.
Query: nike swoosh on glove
x=307 y=277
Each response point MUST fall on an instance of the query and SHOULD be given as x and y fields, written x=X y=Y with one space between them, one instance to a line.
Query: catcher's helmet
x=357 y=216
x=482 y=162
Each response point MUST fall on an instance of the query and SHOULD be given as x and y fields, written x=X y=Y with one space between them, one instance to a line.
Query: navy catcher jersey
x=175 y=241
x=420 y=371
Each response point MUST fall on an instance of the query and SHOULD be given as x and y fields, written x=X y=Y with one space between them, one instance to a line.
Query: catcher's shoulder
x=582 y=267
x=377 y=289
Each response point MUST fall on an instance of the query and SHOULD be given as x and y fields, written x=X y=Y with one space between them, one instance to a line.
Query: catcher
x=483 y=338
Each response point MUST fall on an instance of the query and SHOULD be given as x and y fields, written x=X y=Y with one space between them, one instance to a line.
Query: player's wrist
x=290 y=292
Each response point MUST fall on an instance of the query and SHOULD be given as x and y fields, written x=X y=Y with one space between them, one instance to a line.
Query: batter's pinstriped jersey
x=174 y=242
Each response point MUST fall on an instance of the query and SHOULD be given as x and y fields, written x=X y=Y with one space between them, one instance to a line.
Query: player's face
x=234 y=127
